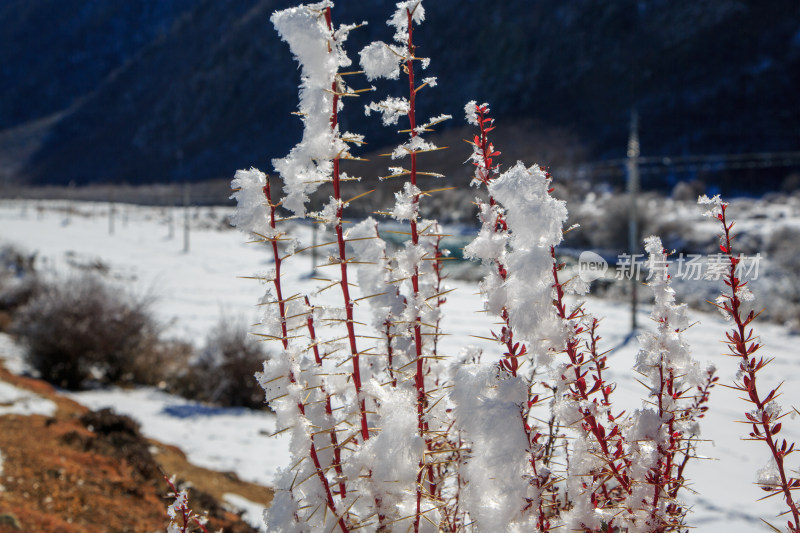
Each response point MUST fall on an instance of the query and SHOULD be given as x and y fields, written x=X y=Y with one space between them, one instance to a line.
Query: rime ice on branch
x=386 y=434
x=506 y=473
x=662 y=438
x=300 y=385
x=307 y=30
x=362 y=440
x=743 y=344
x=310 y=33
x=421 y=290
x=291 y=380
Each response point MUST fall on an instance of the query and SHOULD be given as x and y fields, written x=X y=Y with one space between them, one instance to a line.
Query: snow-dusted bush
x=388 y=432
x=19 y=280
x=604 y=221
x=82 y=328
x=221 y=372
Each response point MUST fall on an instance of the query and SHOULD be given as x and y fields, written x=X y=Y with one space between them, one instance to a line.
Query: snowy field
x=193 y=289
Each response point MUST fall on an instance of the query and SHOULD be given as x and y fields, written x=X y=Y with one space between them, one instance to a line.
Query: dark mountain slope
x=54 y=52
x=213 y=92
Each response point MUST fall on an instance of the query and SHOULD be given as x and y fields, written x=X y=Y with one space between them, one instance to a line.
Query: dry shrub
x=223 y=372
x=18 y=279
x=158 y=360
x=83 y=328
x=603 y=224
x=119 y=436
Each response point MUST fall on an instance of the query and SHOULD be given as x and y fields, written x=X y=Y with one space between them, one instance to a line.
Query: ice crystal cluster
x=388 y=433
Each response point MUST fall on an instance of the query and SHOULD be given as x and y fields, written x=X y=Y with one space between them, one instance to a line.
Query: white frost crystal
x=381 y=60
x=251 y=213
x=309 y=163
x=535 y=220
x=715 y=202
x=391 y=109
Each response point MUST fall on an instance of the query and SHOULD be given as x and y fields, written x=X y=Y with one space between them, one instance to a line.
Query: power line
x=666 y=164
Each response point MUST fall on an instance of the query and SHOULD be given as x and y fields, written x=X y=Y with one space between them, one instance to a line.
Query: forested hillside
x=148 y=91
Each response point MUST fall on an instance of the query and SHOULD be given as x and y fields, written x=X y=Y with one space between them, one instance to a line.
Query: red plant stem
x=419 y=376
x=486 y=172
x=276 y=254
x=186 y=513
x=661 y=474
x=337 y=452
x=487 y=169
x=600 y=365
x=542 y=522
x=282 y=304
x=419 y=379
x=285 y=341
x=695 y=411
x=581 y=390
x=739 y=348
x=340 y=240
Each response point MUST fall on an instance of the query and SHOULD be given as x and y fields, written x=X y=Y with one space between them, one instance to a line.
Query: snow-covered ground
x=194 y=288
x=16 y=401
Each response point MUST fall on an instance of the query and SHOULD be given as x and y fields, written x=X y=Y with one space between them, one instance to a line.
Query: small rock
x=8 y=519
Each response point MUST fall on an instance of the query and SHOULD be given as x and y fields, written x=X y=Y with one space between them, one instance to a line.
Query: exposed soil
x=84 y=472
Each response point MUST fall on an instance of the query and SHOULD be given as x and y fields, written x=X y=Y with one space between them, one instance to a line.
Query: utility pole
x=186 y=218
x=111 y=213
x=633 y=192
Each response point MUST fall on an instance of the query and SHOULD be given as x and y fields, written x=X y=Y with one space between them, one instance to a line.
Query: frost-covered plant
x=663 y=436
x=220 y=372
x=181 y=517
x=416 y=266
x=298 y=385
x=508 y=458
x=743 y=344
x=387 y=432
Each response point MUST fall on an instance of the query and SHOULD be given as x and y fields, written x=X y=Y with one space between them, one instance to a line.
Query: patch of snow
x=252 y=512
x=16 y=401
x=12 y=355
x=223 y=439
x=194 y=287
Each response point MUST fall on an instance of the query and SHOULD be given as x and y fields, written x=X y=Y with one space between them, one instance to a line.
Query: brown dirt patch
x=215 y=483
x=58 y=476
